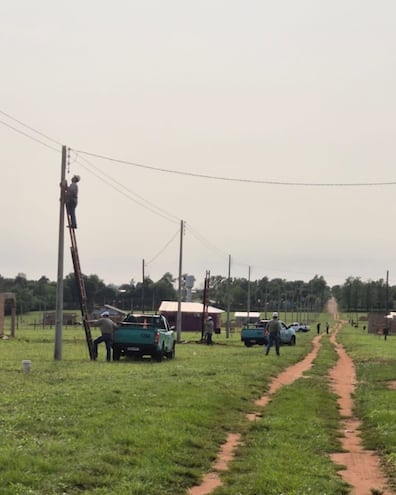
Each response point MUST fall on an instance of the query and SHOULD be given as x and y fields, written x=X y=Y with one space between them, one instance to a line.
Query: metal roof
x=187 y=307
x=245 y=314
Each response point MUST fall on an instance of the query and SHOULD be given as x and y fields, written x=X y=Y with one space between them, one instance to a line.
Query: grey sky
x=270 y=91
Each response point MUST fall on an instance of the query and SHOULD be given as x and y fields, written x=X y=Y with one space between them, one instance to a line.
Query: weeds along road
x=362 y=468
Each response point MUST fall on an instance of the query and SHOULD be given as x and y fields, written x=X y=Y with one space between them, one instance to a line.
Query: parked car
x=256 y=334
x=299 y=327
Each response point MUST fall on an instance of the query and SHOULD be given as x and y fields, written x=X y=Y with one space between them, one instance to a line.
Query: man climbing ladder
x=70 y=200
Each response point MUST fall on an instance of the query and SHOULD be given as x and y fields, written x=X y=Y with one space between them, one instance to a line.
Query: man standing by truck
x=107 y=327
x=273 y=328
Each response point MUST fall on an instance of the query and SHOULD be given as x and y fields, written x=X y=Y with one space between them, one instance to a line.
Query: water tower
x=189 y=284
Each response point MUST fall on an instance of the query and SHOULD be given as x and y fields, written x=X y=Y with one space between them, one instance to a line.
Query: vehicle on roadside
x=144 y=335
x=299 y=327
x=256 y=334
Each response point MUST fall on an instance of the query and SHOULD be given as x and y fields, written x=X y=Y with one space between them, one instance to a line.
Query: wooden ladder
x=80 y=287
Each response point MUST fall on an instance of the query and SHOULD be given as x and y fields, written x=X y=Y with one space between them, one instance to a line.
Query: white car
x=299 y=327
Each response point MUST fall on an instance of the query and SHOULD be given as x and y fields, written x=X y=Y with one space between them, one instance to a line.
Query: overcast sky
x=265 y=93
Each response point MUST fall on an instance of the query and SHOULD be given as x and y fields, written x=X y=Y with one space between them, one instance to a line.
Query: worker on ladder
x=71 y=200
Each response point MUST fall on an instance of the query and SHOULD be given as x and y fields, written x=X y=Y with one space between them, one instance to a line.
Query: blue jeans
x=273 y=339
x=71 y=208
x=106 y=338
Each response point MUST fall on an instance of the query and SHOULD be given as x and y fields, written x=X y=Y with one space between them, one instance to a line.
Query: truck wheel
x=247 y=344
x=171 y=354
x=293 y=340
x=159 y=355
x=116 y=354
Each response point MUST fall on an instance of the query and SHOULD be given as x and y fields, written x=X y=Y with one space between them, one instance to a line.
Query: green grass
x=139 y=427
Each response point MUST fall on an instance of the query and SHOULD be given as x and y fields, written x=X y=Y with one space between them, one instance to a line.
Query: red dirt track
x=362 y=468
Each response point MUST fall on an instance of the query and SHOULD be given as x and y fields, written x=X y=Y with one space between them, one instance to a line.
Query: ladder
x=80 y=287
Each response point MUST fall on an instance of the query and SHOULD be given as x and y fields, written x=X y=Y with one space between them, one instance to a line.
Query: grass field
x=139 y=427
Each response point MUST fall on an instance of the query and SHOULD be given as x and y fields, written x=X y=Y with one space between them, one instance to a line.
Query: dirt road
x=362 y=468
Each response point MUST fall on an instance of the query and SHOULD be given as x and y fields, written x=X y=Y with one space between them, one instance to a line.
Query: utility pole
x=228 y=297
x=179 y=298
x=248 y=298
x=143 y=286
x=61 y=244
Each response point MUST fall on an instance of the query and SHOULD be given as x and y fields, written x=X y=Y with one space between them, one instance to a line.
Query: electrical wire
x=30 y=128
x=236 y=179
x=163 y=249
x=189 y=174
x=128 y=193
x=29 y=136
x=199 y=237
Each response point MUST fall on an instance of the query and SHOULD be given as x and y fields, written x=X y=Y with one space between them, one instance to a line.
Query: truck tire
x=159 y=355
x=116 y=354
x=247 y=344
x=293 y=340
x=171 y=354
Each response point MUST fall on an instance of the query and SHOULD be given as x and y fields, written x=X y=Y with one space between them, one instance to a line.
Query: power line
x=236 y=179
x=30 y=137
x=128 y=193
x=30 y=128
x=188 y=174
x=164 y=248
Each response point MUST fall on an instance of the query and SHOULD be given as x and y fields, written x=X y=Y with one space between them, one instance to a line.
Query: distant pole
x=61 y=244
x=228 y=297
x=143 y=286
x=179 y=295
x=248 y=298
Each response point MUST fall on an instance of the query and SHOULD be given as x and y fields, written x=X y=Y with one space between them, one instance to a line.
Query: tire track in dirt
x=362 y=467
x=212 y=479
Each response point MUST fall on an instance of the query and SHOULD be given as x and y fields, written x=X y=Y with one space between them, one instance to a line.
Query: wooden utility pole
x=61 y=244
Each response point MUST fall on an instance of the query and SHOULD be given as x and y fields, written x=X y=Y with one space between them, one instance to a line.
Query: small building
x=244 y=317
x=49 y=318
x=378 y=321
x=191 y=315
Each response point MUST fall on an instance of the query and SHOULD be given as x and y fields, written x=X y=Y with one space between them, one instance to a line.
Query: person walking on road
x=273 y=328
x=318 y=328
x=107 y=327
x=327 y=327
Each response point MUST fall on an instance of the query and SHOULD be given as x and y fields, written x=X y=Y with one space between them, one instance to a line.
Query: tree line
x=239 y=294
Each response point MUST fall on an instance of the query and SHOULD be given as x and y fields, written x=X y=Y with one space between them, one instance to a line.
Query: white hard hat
x=105 y=313
x=274 y=314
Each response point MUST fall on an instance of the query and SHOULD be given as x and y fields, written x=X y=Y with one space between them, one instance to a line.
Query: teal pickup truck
x=256 y=334
x=144 y=335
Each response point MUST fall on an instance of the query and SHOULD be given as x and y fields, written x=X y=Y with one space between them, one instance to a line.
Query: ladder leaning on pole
x=80 y=287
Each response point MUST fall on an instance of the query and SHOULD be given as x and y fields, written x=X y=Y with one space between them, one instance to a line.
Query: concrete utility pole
x=61 y=244
x=179 y=298
x=143 y=286
x=228 y=297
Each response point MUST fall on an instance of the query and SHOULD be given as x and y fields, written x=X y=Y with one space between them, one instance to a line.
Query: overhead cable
x=30 y=137
x=30 y=128
x=236 y=179
x=164 y=248
x=128 y=193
